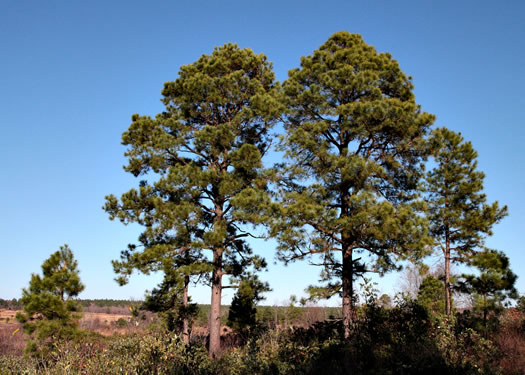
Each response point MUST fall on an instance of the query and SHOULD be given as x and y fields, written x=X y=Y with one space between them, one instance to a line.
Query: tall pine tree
x=459 y=216
x=354 y=140
x=207 y=149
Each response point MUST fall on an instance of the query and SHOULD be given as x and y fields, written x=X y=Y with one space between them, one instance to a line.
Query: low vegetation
x=407 y=338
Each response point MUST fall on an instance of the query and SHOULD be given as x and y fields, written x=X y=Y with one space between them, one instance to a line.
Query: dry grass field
x=105 y=323
x=12 y=337
x=7 y=314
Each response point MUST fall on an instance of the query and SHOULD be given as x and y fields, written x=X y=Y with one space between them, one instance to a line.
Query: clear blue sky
x=72 y=73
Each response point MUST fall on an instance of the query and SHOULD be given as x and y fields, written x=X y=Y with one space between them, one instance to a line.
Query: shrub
x=121 y=323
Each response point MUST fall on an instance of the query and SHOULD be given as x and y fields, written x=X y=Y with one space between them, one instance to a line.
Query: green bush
x=121 y=323
x=138 y=354
x=401 y=340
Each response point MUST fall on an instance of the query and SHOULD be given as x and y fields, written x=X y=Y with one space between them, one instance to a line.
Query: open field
x=89 y=319
x=11 y=335
x=12 y=338
x=7 y=314
x=118 y=321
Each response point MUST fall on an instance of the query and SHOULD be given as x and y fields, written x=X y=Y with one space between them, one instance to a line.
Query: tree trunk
x=348 y=291
x=185 y=321
x=485 y=333
x=448 y=299
x=215 y=311
x=348 y=266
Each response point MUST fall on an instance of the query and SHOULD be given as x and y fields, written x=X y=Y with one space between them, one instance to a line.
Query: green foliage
x=431 y=295
x=158 y=353
x=401 y=340
x=458 y=213
x=49 y=309
x=121 y=323
x=520 y=306
x=13 y=304
x=109 y=302
x=492 y=287
x=17 y=365
x=465 y=348
x=354 y=139
x=168 y=301
x=242 y=315
x=204 y=154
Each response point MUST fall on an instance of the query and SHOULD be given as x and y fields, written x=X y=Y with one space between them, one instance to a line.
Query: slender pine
x=459 y=216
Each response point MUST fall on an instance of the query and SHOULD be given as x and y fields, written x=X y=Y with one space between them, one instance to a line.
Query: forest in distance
x=367 y=183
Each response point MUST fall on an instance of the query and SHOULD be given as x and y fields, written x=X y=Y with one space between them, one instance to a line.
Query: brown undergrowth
x=511 y=342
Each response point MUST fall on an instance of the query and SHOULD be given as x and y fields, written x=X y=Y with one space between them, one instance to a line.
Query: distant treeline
x=278 y=315
x=269 y=315
x=12 y=304
x=15 y=304
x=109 y=302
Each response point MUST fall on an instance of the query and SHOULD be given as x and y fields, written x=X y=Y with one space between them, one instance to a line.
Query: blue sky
x=72 y=73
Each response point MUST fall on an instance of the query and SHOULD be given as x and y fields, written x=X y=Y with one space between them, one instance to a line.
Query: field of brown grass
x=7 y=314
x=12 y=340
x=11 y=335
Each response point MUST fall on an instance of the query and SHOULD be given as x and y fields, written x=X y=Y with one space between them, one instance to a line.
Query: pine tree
x=458 y=213
x=167 y=244
x=354 y=140
x=431 y=294
x=242 y=316
x=171 y=301
x=49 y=308
x=494 y=284
x=205 y=152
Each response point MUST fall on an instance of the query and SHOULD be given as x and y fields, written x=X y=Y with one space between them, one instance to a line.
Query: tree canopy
x=206 y=151
x=351 y=194
x=354 y=142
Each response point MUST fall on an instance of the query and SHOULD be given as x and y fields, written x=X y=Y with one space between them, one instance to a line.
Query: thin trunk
x=215 y=311
x=348 y=269
x=485 y=315
x=448 y=299
x=348 y=291
x=185 y=321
